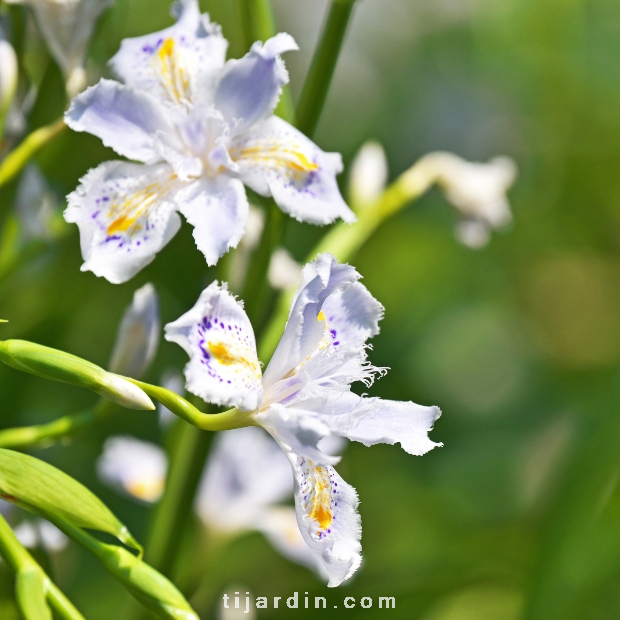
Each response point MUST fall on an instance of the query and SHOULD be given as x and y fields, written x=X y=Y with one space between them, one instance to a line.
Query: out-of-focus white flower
x=52 y=539
x=6 y=508
x=368 y=175
x=279 y=526
x=67 y=26
x=305 y=393
x=236 y=604
x=284 y=271
x=240 y=259
x=35 y=204
x=202 y=128
x=477 y=190
x=253 y=229
x=40 y=533
x=246 y=475
x=472 y=233
x=171 y=380
x=138 y=335
x=134 y=467
x=8 y=77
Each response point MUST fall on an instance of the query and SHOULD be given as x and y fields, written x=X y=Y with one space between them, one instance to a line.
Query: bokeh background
x=518 y=516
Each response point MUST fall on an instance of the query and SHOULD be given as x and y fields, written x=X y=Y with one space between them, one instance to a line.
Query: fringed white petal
x=126 y=120
x=126 y=213
x=177 y=64
x=328 y=519
x=275 y=159
x=218 y=337
x=304 y=331
x=249 y=88
x=218 y=211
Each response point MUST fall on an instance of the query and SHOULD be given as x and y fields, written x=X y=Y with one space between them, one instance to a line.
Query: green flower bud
x=60 y=366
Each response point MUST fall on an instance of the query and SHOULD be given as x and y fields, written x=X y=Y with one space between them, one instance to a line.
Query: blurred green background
x=518 y=516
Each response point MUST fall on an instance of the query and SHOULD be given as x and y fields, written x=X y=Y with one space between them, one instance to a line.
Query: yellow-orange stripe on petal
x=172 y=73
x=278 y=155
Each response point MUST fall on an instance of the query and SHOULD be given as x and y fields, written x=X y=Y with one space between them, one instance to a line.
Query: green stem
x=233 y=418
x=258 y=23
x=20 y=561
x=45 y=434
x=170 y=518
x=316 y=86
x=13 y=163
x=345 y=240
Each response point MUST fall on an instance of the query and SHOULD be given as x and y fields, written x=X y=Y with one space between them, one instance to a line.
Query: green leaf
x=30 y=592
x=43 y=489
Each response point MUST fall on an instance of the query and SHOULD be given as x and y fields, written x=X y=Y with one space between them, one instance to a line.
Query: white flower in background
x=477 y=190
x=368 y=175
x=138 y=335
x=36 y=205
x=240 y=260
x=236 y=603
x=67 y=26
x=135 y=468
x=40 y=533
x=201 y=127
x=8 y=77
x=245 y=477
x=171 y=380
x=305 y=393
x=284 y=271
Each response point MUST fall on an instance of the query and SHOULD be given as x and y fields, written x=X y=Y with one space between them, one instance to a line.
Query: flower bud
x=284 y=270
x=36 y=205
x=369 y=174
x=138 y=335
x=67 y=28
x=8 y=77
x=60 y=366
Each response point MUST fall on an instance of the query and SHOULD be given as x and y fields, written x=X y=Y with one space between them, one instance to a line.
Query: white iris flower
x=245 y=479
x=305 y=394
x=202 y=128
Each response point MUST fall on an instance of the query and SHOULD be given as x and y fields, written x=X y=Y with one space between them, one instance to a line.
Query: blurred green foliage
x=518 y=516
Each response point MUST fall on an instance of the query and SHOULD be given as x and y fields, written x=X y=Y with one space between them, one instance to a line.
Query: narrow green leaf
x=30 y=592
x=43 y=489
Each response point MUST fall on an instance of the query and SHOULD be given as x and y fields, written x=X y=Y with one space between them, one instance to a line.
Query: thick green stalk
x=187 y=461
x=22 y=562
x=319 y=77
x=45 y=434
x=224 y=421
x=15 y=161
